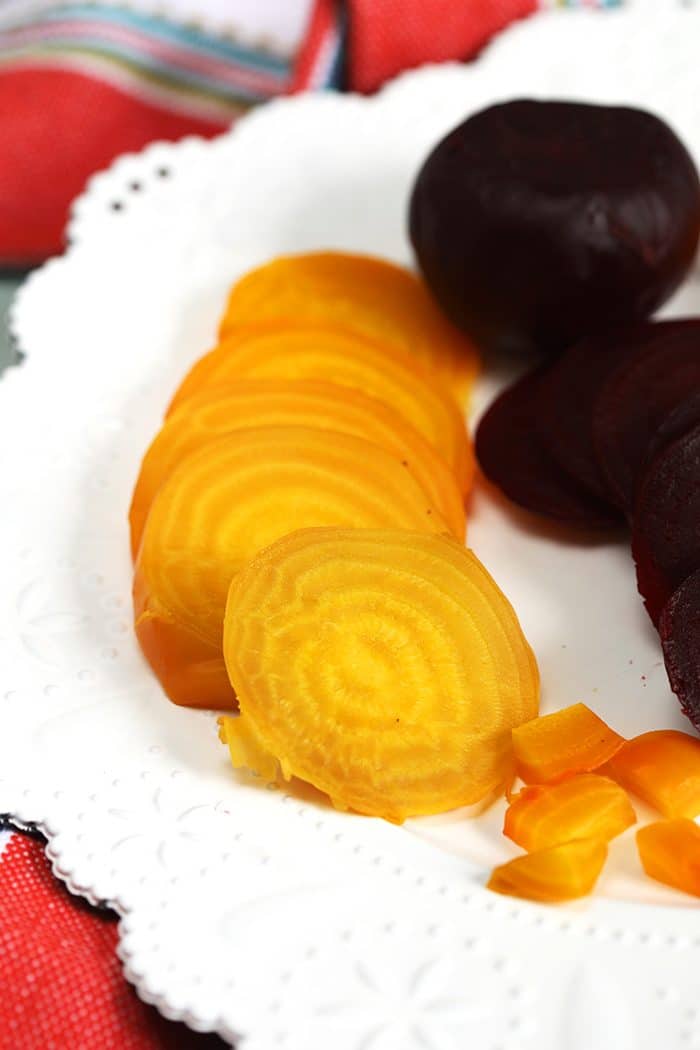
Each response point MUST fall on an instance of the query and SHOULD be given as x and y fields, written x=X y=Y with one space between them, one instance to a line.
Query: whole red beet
x=536 y=223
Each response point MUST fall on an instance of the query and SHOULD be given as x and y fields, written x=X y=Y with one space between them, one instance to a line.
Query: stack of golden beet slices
x=298 y=533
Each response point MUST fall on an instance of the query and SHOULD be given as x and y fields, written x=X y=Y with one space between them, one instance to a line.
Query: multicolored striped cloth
x=208 y=74
x=81 y=83
x=189 y=70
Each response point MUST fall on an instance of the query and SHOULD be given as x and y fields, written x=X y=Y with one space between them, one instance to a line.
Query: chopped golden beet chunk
x=573 y=740
x=670 y=852
x=583 y=806
x=560 y=873
x=663 y=768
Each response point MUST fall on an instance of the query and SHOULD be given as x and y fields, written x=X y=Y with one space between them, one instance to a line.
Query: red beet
x=566 y=402
x=683 y=418
x=679 y=627
x=536 y=223
x=639 y=396
x=511 y=455
x=666 y=522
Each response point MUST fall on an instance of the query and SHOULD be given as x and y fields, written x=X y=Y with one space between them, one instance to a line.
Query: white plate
x=245 y=909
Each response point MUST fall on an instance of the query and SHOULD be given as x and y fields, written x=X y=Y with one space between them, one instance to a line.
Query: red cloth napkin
x=388 y=36
x=61 y=978
x=62 y=981
x=76 y=91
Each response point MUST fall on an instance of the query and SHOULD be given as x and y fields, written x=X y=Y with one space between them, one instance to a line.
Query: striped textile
x=213 y=76
x=580 y=3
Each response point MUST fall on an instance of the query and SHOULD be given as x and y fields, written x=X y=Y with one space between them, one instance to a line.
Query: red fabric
x=388 y=36
x=58 y=127
x=62 y=982
x=323 y=18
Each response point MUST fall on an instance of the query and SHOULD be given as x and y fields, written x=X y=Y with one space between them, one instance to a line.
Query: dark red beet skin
x=567 y=398
x=536 y=223
x=679 y=627
x=683 y=418
x=639 y=396
x=512 y=456
x=666 y=522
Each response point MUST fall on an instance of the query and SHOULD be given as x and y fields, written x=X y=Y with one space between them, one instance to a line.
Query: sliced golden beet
x=225 y=502
x=287 y=402
x=347 y=360
x=385 y=667
x=366 y=295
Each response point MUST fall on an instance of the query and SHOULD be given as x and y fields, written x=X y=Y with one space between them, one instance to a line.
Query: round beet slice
x=679 y=627
x=683 y=418
x=568 y=394
x=512 y=456
x=538 y=222
x=636 y=399
x=666 y=522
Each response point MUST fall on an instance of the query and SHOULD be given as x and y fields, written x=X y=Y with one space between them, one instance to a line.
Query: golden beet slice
x=580 y=807
x=346 y=360
x=573 y=740
x=366 y=295
x=383 y=666
x=560 y=873
x=227 y=501
x=279 y=402
x=670 y=853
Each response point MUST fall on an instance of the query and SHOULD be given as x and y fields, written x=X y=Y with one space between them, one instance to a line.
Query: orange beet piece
x=368 y=296
x=560 y=873
x=573 y=740
x=348 y=360
x=383 y=667
x=251 y=403
x=585 y=806
x=663 y=768
x=670 y=852
x=226 y=501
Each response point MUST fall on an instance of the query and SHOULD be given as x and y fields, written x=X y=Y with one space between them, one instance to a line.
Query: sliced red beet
x=684 y=417
x=512 y=455
x=636 y=399
x=679 y=627
x=568 y=394
x=666 y=522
